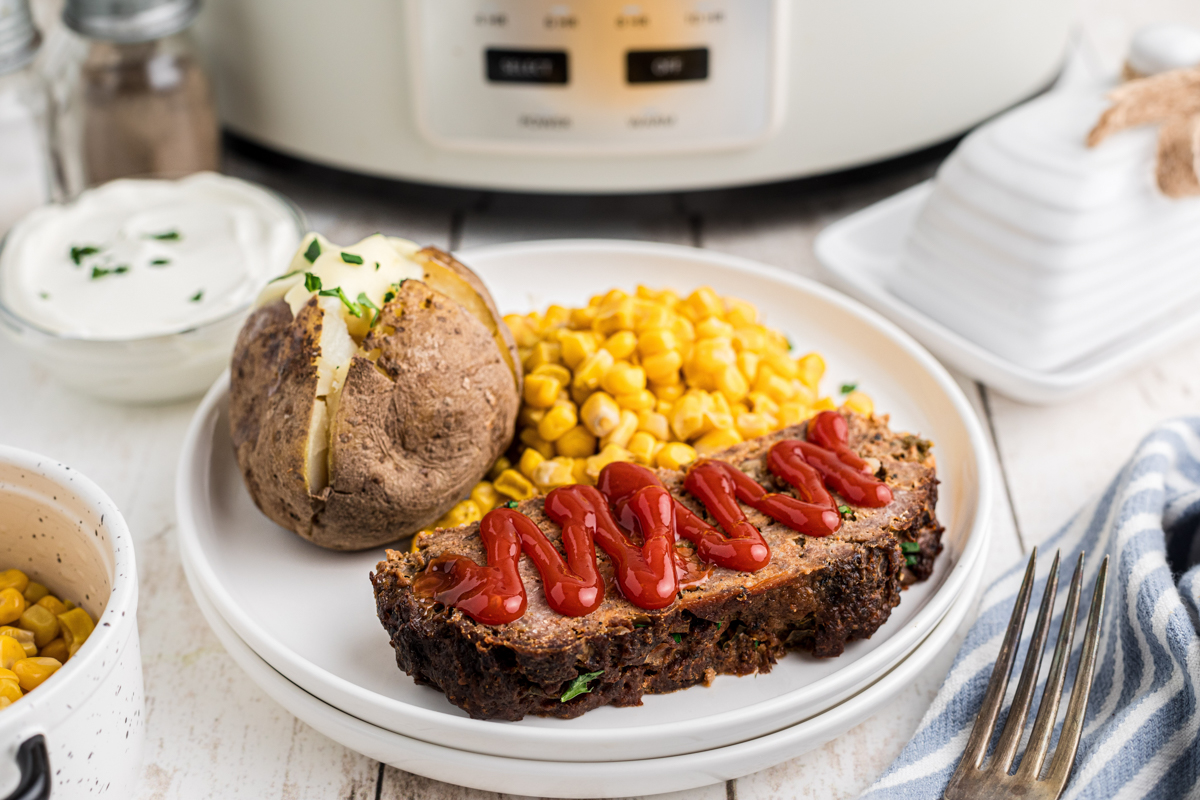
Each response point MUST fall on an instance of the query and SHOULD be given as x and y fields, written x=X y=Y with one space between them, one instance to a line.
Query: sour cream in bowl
x=136 y=290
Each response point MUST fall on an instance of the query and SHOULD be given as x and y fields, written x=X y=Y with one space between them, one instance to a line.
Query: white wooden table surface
x=213 y=733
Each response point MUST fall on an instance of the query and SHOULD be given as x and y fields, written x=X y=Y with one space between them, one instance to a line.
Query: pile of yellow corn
x=651 y=378
x=38 y=633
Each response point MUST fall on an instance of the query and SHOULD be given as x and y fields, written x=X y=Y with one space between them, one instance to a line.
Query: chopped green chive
x=44 y=295
x=377 y=266
x=678 y=637
x=350 y=258
x=910 y=560
x=197 y=297
x=285 y=275
x=365 y=302
x=511 y=504
x=165 y=236
x=847 y=512
x=82 y=252
x=910 y=547
x=580 y=686
x=791 y=346
x=640 y=625
x=160 y=262
x=314 y=250
x=311 y=282
x=100 y=272
x=340 y=295
x=847 y=388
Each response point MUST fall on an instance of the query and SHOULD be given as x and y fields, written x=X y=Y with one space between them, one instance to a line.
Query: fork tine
x=1043 y=727
x=1010 y=739
x=981 y=733
x=1068 y=740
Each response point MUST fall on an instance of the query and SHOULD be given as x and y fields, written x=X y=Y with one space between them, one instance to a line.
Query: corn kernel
x=713 y=327
x=555 y=317
x=14 y=579
x=654 y=424
x=556 y=371
x=541 y=390
x=812 y=368
x=11 y=651
x=576 y=443
x=579 y=472
x=76 y=627
x=34 y=592
x=664 y=407
x=514 y=485
x=777 y=388
x=485 y=496
x=792 y=414
x=747 y=363
x=783 y=366
x=662 y=367
x=580 y=394
x=463 y=513
x=613 y=317
x=55 y=605
x=621 y=344
x=12 y=604
x=23 y=636
x=529 y=437
x=751 y=339
x=600 y=414
x=642 y=446
x=554 y=473
x=529 y=462
x=824 y=404
x=10 y=689
x=683 y=329
x=648 y=315
x=637 y=401
x=582 y=319
x=58 y=648
x=668 y=392
x=621 y=434
x=523 y=333
x=750 y=425
x=33 y=672
x=656 y=341
x=589 y=373
x=687 y=416
x=605 y=457
x=702 y=303
x=502 y=463
x=859 y=403
x=739 y=313
x=529 y=417
x=543 y=353
x=675 y=455
x=711 y=355
x=714 y=441
x=41 y=623
x=557 y=421
x=623 y=378
x=762 y=404
x=576 y=346
x=731 y=383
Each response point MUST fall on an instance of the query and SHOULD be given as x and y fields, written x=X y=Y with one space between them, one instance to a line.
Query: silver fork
x=972 y=780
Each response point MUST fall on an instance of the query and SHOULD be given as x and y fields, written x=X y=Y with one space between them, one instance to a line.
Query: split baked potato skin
x=427 y=406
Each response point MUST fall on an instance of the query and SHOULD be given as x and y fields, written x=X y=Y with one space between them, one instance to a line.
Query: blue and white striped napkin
x=1140 y=735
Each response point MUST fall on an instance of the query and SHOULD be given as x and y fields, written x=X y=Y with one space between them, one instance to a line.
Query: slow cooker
x=613 y=96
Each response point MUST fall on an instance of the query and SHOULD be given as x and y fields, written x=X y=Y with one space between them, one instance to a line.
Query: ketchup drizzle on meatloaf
x=647 y=575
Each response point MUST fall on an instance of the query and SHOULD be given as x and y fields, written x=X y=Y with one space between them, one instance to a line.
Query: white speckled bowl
x=63 y=531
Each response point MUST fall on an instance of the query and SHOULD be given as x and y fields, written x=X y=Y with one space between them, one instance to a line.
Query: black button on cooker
x=658 y=66
x=526 y=66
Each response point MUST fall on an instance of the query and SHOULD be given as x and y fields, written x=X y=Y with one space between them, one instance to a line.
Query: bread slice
x=816 y=594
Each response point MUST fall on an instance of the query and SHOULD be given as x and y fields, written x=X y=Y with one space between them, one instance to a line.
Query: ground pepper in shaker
x=25 y=162
x=141 y=103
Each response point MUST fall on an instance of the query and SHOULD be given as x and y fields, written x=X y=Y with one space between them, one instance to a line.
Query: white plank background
x=213 y=733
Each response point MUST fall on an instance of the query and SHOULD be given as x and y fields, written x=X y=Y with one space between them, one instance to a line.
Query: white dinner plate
x=310 y=613
x=861 y=254
x=639 y=777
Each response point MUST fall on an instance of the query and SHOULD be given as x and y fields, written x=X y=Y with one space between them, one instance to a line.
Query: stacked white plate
x=1043 y=250
x=301 y=620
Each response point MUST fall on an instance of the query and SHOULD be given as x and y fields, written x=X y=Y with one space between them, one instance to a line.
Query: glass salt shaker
x=132 y=95
x=26 y=166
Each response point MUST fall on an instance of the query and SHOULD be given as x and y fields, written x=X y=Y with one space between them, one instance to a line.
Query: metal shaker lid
x=19 y=39
x=127 y=21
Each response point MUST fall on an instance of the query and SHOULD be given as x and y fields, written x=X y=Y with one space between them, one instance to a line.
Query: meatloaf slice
x=816 y=594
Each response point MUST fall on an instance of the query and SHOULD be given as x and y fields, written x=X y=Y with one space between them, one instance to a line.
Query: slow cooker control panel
x=596 y=75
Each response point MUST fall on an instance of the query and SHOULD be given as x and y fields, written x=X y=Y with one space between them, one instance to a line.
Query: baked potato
x=371 y=387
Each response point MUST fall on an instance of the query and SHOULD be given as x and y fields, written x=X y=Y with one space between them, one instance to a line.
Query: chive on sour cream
x=141 y=258
x=136 y=290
